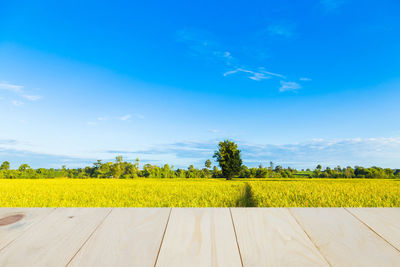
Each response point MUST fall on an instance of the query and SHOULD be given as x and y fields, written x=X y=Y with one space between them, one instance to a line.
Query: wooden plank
x=199 y=237
x=15 y=221
x=54 y=240
x=384 y=221
x=344 y=240
x=127 y=237
x=272 y=237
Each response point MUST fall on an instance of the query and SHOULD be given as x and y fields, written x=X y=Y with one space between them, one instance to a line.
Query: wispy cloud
x=140 y=116
x=382 y=151
x=16 y=103
x=202 y=45
x=125 y=117
x=19 y=90
x=255 y=75
x=289 y=86
x=305 y=79
x=11 y=87
x=32 y=97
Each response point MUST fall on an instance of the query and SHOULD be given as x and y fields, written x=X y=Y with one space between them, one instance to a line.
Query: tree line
x=227 y=156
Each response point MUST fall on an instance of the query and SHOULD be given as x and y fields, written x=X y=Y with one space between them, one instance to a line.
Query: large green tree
x=228 y=158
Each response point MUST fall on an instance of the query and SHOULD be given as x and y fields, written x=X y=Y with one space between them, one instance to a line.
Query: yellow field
x=199 y=193
x=327 y=193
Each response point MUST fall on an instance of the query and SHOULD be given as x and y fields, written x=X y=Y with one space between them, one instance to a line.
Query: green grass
x=199 y=193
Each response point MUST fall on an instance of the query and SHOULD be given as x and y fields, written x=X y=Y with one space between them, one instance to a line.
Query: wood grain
x=343 y=240
x=384 y=221
x=272 y=237
x=54 y=240
x=127 y=237
x=30 y=216
x=199 y=237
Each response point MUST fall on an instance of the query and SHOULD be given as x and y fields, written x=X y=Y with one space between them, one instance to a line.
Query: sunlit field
x=327 y=193
x=199 y=193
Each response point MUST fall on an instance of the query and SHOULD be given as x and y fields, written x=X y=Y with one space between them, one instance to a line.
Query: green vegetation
x=228 y=158
x=123 y=169
x=199 y=193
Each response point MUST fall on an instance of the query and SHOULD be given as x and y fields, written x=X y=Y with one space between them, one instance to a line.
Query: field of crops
x=199 y=193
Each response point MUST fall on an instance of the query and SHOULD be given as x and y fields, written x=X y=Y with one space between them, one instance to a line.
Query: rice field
x=327 y=193
x=199 y=193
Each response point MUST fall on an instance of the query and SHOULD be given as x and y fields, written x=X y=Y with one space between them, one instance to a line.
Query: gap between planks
x=308 y=236
x=162 y=239
x=372 y=229
x=91 y=234
x=237 y=243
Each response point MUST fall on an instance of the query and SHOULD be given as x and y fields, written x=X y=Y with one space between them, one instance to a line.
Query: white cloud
x=203 y=45
x=140 y=116
x=259 y=75
x=226 y=56
x=16 y=103
x=289 y=86
x=121 y=118
x=384 y=152
x=126 y=117
x=305 y=79
x=18 y=89
x=378 y=151
x=31 y=97
x=11 y=87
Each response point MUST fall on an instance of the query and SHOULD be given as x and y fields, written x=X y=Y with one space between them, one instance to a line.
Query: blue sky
x=295 y=82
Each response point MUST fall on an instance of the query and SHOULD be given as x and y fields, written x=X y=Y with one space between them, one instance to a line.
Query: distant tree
x=228 y=158
x=216 y=173
x=24 y=167
x=271 y=165
x=261 y=172
x=5 y=166
x=119 y=159
x=319 y=167
x=166 y=172
x=137 y=163
x=117 y=168
x=207 y=164
x=97 y=164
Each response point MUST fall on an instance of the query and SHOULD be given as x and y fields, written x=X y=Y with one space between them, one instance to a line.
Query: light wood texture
x=30 y=216
x=127 y=237
x=272 y=237
x=199 y=237
x=55 y=240
x=384 y=221
x=343 y=240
